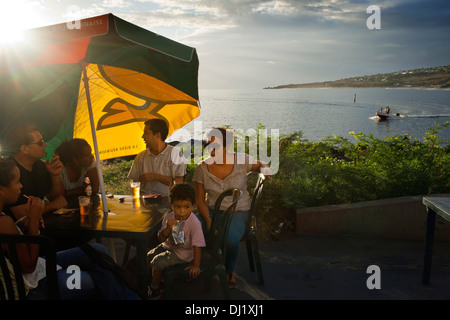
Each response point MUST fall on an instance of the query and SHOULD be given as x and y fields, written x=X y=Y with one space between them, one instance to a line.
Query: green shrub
x=115 y=176
x=335 y=170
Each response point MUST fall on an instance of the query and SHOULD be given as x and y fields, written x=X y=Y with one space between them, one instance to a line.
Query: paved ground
x=327 y=268
x=315 y=268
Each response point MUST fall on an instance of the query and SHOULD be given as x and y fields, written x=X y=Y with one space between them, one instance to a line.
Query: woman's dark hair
x=222 y=134
x=182 y=191
x=6 y=172
x=70 y=149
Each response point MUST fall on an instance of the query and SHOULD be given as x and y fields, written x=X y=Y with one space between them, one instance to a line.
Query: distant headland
x=435 y=77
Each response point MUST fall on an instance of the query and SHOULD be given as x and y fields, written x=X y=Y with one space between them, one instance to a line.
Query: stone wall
x=394 y=218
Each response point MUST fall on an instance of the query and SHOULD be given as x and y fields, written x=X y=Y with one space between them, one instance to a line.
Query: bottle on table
x=88 y=187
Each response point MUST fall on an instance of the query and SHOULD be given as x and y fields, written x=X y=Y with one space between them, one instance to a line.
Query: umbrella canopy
x=132 y=75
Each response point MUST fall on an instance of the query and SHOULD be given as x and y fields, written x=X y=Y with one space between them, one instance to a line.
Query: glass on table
x=84 y=202
x=135 y=189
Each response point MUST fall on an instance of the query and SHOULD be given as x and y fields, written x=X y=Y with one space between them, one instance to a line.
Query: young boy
x=181 y=238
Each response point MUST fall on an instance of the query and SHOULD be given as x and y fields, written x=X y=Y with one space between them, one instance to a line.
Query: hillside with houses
x=435 y=77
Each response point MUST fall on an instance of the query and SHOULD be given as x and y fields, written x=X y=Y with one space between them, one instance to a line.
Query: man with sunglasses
x=39 y=179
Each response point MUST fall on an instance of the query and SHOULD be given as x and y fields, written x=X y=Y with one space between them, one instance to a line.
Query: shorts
x=161 y=258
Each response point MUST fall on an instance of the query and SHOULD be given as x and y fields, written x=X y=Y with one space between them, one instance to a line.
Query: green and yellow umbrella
x=132 y=75
x=98 y=79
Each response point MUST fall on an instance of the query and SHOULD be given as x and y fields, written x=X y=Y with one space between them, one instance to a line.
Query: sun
x=15 y=17
x=10 y=30
x=10 y=36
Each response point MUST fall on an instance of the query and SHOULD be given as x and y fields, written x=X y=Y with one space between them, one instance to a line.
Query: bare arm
x=57 y=203
x=93 y=177
x=152 y=176
x=74 y=191
x=27 y=253
x=20 y=211
x=54 y=167
x=201 y=204
x=165 y=233
x=262 y=167
x=57 y=188
x=194 y=267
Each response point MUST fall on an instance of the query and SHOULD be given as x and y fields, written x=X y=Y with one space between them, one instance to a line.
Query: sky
x=253 y=44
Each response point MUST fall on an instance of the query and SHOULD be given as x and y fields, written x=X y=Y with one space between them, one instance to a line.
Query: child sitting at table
x=181 y=238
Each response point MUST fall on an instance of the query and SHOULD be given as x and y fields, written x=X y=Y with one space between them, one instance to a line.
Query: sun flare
x=15 y=17
x=10 y=36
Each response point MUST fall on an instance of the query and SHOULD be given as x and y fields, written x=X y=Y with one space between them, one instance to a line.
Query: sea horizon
x=322 y=112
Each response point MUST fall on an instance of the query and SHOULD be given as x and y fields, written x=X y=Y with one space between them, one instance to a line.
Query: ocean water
x=319 y=113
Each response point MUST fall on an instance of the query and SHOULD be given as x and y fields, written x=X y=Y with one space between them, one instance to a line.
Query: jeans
x=235 y=234
x=93 y=279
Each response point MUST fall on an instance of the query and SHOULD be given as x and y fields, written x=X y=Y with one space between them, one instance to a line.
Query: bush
x=115 y=176
x=336 y=171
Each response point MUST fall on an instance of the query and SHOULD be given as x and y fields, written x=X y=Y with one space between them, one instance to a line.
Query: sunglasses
x=39 y=143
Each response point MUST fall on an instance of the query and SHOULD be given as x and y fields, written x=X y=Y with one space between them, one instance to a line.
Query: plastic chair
x=47 y=249
x=249 y=237
x=213 y=255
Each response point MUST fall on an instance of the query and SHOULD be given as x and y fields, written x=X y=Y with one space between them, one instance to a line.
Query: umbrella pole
x=94 y=138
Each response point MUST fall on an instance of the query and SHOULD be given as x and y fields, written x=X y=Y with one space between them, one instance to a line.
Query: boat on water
x=384 y=115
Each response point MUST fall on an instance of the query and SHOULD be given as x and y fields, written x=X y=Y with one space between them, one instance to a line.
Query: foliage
x=337 y=170
x=115 y=176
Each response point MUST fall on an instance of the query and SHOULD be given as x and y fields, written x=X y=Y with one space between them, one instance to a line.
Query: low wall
x=395 y=218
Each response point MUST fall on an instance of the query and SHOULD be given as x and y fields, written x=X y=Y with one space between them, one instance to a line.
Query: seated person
x=177 y=247
x=93 y=278
x=160 y=164
x=38 y=178
x=78 y=160
x=225 y=169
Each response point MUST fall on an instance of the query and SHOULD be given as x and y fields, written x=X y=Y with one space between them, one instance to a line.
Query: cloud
x=261 y=43
x=275 y=8
x=418 y=14
x=115 y=4
x=309 y=40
